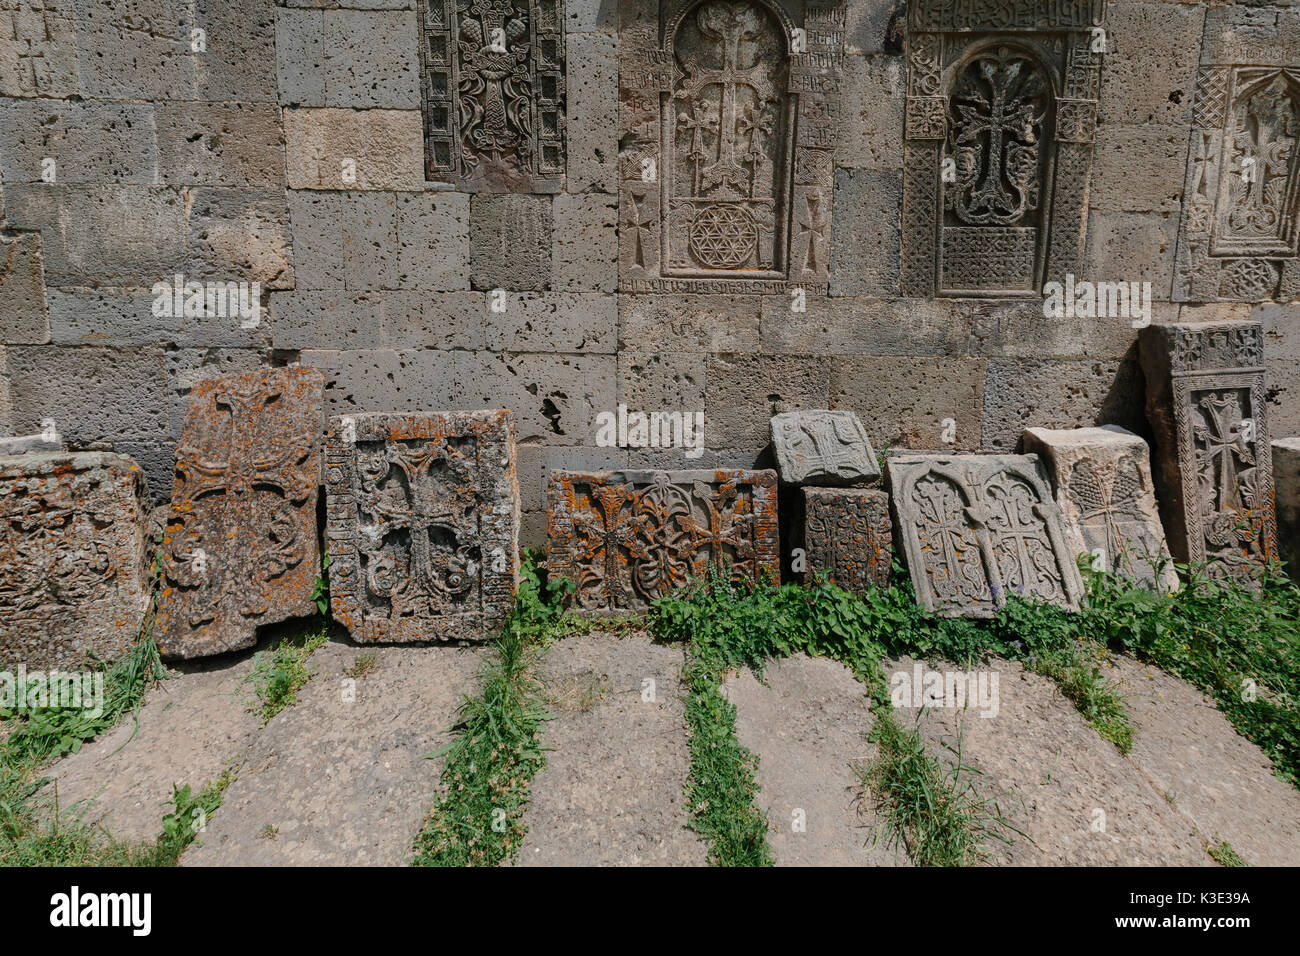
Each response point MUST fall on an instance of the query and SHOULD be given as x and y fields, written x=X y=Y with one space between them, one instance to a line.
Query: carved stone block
x=1286 y=480
x=848 y=534
x=728 y=113
x=493 y=91
x=240 y=549
x=423 y=524
x=1102 y=478
x=1001 y=117
x=73 y=557
x=1240 y=224
x=822 y=447
x=626 y=538
x=1213 y=469
x=978 y=528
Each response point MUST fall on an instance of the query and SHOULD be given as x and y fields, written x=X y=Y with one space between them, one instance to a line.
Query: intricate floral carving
x=240 y=547
x=71 y=557
x=847 y=534
x=423 y=524
x=627 y=538
x=979 y=528
x=493 y=92
x=712 y=119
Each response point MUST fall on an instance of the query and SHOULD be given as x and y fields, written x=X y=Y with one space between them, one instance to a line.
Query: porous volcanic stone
x=822 y=448
x=1102 y=478
x=847 y=533
x=1286 y=480
x=241 y=546
x=625 y=538
x=72 y=557
x=423 y=524
x=977 y=528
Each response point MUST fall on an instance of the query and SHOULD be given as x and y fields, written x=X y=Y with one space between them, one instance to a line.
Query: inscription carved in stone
x=726 y=167
x=627 y=538
x=848 y=534
x=423 y=524
x=1103 y=484
x=72 y=557
x=492 y=86
x=1000 y=119
x=1241 y=202
x=1214 y=473
x=977 y=529
x=823 y=447
x=240 y=549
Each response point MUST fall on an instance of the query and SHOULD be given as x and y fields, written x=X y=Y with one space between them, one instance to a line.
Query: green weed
x=278 y=675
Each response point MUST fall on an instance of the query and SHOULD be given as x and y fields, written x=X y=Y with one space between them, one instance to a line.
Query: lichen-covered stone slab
x=240 y=549
x=1286 y=481
x=423 y=524
x=72 y=557
x=1213 y=463
x=625 y=538
x=977 y=529
x=822 y=448
x=1102 y=478
x=848 y=534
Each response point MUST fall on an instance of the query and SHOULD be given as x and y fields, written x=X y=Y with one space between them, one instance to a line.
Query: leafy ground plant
x=490 y=763
x=278 y=675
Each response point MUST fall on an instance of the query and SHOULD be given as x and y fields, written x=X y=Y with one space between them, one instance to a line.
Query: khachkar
x=240 y=549
x=727 y=113
x=1001 y=114
x=978 y=529
x=72 y=557
x=1214 y=472
x=1102 y=478
x=1240 y=229
x=848 y=535
x=822 y=447
x=492 y=89
x=423 y=524
x=625 y=538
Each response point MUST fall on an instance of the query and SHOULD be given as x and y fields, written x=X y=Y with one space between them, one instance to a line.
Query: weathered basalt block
x=848 y=534
x=1213 y=468
x=1286 y=480
x=423 y=526
x=977 y=529
x=727 y=121
x=240 y=549
x=1102 y=478
x=625 y=538
x=72 y=557
x=822 y=447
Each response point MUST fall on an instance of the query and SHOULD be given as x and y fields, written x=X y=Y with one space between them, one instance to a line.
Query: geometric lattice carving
x=1001 y=114
x=423 y=524
x=848 y=534
x=627 y=538
x=72 y=557
x=977 y=529
x=492 y=88
x=241 y=548
x=1206 y=405
x=727 y=130
x=1103 y=484
x=1241 y=202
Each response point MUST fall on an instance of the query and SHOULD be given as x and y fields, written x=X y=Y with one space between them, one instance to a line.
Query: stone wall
x=286 y=144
